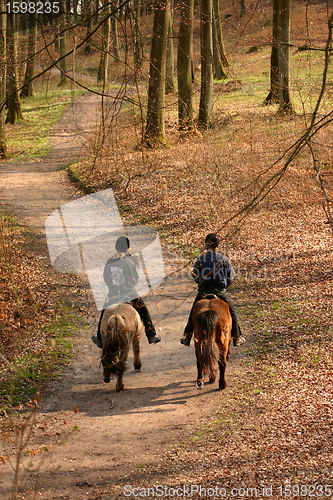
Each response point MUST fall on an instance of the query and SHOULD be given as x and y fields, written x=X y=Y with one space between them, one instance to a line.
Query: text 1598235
x=33 y=7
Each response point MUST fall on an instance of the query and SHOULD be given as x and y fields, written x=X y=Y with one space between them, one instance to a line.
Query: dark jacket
x=212 y=270
x=121 y=276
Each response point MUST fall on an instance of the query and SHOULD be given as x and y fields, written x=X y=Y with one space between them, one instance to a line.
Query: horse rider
x=213 y=274
x=120 y=275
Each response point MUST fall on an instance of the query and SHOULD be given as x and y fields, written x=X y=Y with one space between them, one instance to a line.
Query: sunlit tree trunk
x=184 y=65
x=155 y=128
x=13 y=100
x=220 y=58
x=63 y=44
x=136 y=34
x=273 y=95
x=114 y=31
x=206 y=38
x=29 y=72
x=3 y=23
x=284 y=57
x=87 y=13
x=104 y=62
x=170 y=69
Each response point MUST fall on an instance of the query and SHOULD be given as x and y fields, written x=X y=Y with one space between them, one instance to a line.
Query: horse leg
x=222 y=366
x=136 y=352
x=199 y=383
x=106 y=375
x=120 y=384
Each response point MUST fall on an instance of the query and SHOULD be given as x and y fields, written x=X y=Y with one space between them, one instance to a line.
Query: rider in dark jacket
x=120 y=275
x=213 y=274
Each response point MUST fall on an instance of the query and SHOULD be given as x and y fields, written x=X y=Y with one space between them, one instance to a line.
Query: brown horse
x=212 y=337
x=120 y=327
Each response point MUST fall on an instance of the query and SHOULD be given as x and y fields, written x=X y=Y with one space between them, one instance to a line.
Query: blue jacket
x=213 y=270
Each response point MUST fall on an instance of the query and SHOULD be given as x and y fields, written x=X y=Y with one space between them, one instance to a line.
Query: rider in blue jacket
x=213 y=274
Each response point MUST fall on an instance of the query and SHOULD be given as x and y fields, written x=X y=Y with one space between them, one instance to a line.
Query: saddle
x=210 y=296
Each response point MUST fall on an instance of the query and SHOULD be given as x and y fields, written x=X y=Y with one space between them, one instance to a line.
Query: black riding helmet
x=212 y=240
x=122 y=244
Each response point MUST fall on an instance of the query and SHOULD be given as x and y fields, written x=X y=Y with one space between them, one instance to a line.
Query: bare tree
x=169 y=75
x=280 y=57
x=284 y=56
x=184 y=65
x=155 y=129
x=14 y=112
x=3 y=26
x=136 y=34
x=220 y=58
x=87 y=13
x=114 y=31
x=29 y=72
x=206 y=94
x=63 y=45
x=104 y=61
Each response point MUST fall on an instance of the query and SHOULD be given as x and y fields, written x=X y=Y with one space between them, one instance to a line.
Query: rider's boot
x=238 y=341
x=186 y=339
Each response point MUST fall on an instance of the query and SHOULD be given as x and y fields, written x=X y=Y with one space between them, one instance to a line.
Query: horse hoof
x=212 y=380
x=120 y=388
x=199 y=384
x=137 y=368
x=221 y=387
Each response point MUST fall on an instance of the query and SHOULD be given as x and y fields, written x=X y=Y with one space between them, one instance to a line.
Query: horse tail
x=116 y=340
x=208 y=321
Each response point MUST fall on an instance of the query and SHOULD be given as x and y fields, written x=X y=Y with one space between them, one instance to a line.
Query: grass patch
x=76 y=177
x=32 y=371
x=29 y=138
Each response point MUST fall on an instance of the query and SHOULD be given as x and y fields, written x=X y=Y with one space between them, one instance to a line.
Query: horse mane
x=117 y=336
x=208 y=321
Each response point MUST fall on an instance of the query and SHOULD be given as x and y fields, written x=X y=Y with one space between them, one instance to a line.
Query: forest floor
x=272 y=426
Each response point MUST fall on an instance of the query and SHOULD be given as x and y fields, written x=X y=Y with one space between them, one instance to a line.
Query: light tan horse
x=212 y=336
x=120 y=327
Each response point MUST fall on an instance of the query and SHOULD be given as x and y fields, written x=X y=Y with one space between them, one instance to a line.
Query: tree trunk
x=219 y=54
x=55 y=27
x=206 y=94
x=136 y=34
x=29 y=72
x=3 y=23
x=114 y=30
x=284 y=57
x=170 y=68
x=63 y=45
x=273 y=95
x=87 y=12
x=184 y=66
x=155 y=129
x=13 y=101
x=243 y=8
x=104 y=62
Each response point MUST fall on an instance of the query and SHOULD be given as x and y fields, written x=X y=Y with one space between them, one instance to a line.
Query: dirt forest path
x=97 y=437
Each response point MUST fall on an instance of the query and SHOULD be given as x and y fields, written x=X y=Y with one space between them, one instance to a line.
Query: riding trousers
x=235 y=329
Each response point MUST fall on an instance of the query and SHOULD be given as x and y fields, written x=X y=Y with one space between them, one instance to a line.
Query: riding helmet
x=212 y=240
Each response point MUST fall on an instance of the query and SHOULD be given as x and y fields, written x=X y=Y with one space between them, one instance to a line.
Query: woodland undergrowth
x=274 y=425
